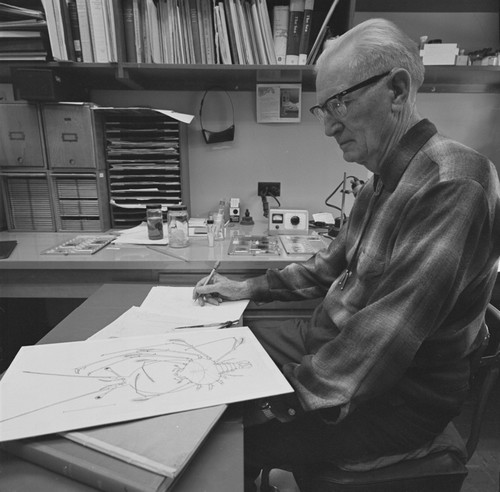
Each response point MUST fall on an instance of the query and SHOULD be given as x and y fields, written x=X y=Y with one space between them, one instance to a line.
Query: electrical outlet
x=269 y=188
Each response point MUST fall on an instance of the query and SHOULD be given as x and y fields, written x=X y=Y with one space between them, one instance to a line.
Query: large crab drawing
x=166 y=368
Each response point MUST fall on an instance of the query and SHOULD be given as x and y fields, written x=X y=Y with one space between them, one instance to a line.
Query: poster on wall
x=279 y=103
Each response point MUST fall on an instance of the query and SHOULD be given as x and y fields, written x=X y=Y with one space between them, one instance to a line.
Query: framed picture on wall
x=279 y=103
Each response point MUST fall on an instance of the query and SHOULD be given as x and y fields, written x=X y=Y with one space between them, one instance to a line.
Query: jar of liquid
x=154 y=218
x=178 y=226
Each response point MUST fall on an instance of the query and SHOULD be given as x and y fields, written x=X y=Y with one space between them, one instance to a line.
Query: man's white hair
x=376 y=46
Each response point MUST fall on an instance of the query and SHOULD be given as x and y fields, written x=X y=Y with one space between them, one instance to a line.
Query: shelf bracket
x=122 y=75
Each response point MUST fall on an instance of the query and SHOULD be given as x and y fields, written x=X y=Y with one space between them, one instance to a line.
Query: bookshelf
x=124 y=74
x=128 y=76
x=197 y=77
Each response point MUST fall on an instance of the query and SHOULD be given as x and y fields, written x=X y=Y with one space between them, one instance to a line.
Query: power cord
x=265 y=204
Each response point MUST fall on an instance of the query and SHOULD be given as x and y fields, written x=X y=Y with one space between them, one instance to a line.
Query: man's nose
x=332 y=125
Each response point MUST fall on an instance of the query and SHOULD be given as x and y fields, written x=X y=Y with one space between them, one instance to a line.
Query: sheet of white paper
x=178 y=301
x=325 y=217
x=139 y=235
x=67 y=386
x=137 y=322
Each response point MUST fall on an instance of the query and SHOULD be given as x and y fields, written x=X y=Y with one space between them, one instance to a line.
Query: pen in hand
x=210 y=277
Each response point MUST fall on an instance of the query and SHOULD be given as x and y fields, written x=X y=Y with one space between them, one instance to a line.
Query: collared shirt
x=405 y=284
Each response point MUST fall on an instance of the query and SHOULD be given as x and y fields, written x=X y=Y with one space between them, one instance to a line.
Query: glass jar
x=154 y=219
x=178 y=226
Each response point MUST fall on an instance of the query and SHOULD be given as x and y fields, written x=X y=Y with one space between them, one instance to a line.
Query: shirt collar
x=400 y=157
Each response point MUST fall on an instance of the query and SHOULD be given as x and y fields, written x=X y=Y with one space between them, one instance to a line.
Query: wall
x=306 y=162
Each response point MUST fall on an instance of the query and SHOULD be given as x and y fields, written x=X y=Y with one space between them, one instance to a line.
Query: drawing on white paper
x=153 y=371
x=59 y=387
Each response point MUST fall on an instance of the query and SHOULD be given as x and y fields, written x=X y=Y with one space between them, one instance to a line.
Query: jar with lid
x=178 y=226
x=154 y=219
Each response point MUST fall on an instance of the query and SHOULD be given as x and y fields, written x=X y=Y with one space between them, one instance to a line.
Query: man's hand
x=220 y=289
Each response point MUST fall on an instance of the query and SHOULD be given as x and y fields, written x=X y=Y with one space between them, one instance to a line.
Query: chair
x=442 y=470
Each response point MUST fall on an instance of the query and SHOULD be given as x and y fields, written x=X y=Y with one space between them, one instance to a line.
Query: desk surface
x=28 y=273
x=217 y=467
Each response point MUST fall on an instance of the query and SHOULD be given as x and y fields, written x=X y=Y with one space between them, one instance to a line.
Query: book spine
x=54 y=26
x=225 y=8
x=245 y=35
x=121 y=49
x=98 y=31
x=201 y=31
x=66 y=29
x=223 y=36
x=306 y=32
x=129 y=31
x=295 y=21
x=280 y=32
x=76 y=468
x=265 y=23
x=208 y=31
x=75 y=30
x=252 y=32
x=137 y=31
x=83 y=23
x=195 y=31
x=259 y=33
x=110 y=29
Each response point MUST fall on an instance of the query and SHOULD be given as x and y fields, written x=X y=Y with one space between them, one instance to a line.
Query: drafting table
x=217 y=466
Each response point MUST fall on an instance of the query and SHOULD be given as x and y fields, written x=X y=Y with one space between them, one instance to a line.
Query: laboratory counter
x=29 y=273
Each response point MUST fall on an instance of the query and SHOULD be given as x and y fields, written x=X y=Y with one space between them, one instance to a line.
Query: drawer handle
x=17 y=135
x=70 y=137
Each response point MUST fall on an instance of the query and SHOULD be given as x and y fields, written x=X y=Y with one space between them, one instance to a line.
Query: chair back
x=485 y=373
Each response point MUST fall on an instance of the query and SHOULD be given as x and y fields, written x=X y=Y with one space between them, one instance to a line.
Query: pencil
x=210 y=276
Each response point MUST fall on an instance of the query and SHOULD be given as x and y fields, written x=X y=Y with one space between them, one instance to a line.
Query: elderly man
x=382 y=366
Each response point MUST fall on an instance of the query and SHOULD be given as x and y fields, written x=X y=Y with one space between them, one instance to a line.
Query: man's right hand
x=220 y=289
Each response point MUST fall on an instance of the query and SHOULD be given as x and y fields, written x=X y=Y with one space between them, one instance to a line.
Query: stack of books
x=23 y=34
x=239 y=32
x=145 y=455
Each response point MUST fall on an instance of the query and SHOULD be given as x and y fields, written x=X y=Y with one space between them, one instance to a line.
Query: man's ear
x=400 y=83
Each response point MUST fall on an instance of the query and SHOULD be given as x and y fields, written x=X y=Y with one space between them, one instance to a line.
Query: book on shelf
x=306 y=31
x=129 y=31
x=98 y=31
x=280 y=32
x=222 y=38
x=146 y=455
x=68 y=35
x=53 y=17
x=195 y=30
x=116 y=10
x=265 y=23
x=207 y=23
x=84 y=26
x=295 y=21
x=75 y=29
x=183 y=31
x=320 y=38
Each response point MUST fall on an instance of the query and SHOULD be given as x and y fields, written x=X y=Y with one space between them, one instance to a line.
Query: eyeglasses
x=334 y=105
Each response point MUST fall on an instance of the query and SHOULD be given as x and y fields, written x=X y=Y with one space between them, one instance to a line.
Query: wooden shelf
x=122 y=76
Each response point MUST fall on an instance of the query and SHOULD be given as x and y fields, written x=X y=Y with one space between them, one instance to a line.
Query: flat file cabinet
x=21 y=141
x=62 y=184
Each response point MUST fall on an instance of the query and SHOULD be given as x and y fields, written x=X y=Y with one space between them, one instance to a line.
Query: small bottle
x=210 y=231
x=178 y=227
x=219 y=232
x=154 y=219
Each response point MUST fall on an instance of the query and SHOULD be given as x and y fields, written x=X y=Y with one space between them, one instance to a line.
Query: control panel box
x=288 y=221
